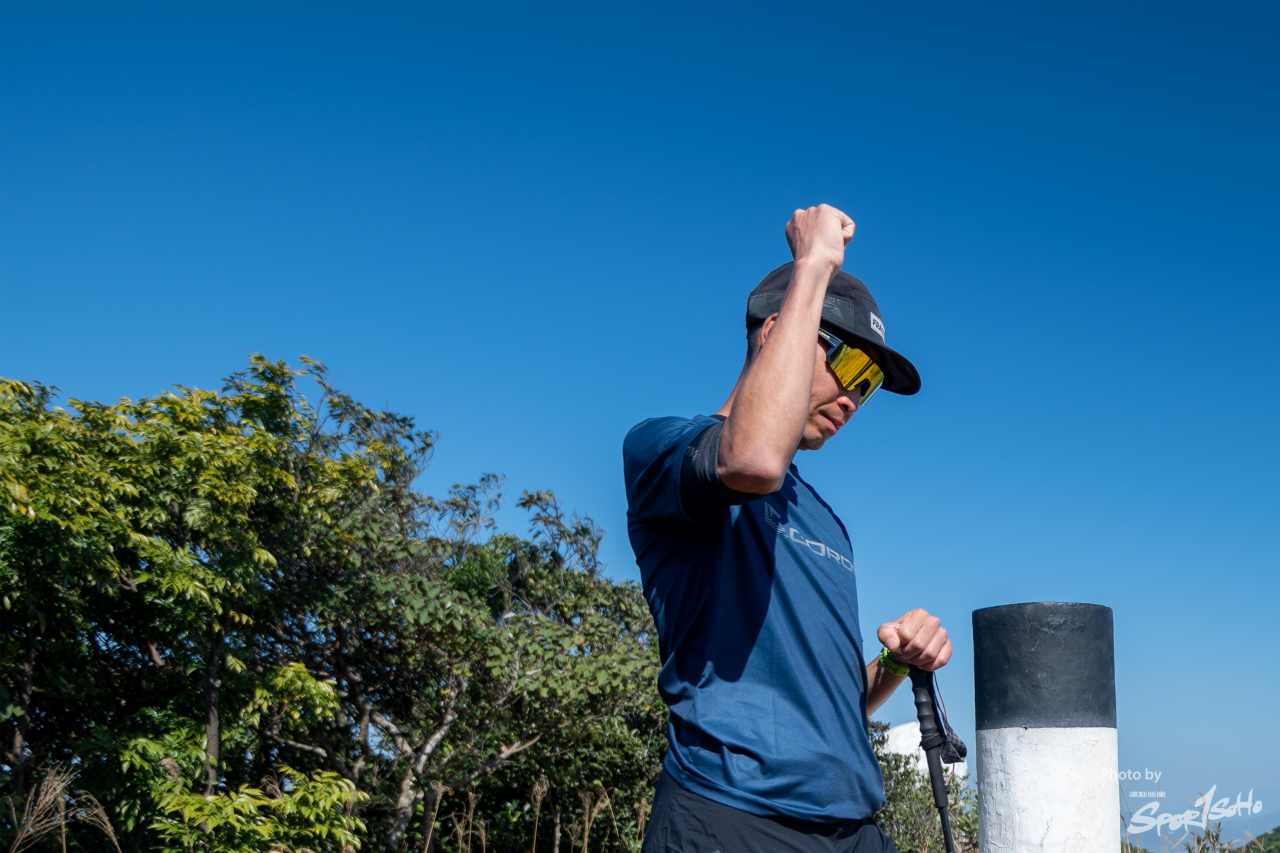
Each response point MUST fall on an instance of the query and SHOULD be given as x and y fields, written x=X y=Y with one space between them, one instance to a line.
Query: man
x=749 y=575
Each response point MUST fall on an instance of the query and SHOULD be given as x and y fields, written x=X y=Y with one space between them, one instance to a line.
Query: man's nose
x=846 y=403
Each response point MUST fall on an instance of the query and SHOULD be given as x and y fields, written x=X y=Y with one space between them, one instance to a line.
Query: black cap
x=850 y=312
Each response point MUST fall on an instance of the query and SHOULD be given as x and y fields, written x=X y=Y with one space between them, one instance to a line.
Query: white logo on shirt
x=793 y=535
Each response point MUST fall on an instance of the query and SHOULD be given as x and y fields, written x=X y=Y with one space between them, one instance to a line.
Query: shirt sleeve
x=670 y=469
x=700 y=485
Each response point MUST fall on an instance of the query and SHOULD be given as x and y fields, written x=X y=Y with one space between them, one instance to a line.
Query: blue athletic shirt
x=756 y=605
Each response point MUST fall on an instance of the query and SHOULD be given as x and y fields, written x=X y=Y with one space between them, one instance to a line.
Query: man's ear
x=768 y=324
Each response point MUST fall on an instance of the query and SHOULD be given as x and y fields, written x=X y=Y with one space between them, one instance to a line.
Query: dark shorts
x=685 y=822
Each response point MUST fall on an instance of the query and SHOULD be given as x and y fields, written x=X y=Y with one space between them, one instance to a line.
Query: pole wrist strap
x=891 y=666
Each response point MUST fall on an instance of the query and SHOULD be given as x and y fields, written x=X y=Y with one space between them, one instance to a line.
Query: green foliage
x=909 y=816
x=204 y=590
x=1268 y=842
x=299 y=812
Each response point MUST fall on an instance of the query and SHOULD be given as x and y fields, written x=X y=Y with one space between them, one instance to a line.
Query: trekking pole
x=931 y=740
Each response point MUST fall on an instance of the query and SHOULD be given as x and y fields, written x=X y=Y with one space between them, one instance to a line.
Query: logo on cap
x=877 y=325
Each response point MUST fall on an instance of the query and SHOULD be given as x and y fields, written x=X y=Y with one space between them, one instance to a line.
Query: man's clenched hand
x=819 y=235
x=918 y=639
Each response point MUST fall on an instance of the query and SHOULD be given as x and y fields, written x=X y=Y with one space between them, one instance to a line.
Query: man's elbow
x=753 y=479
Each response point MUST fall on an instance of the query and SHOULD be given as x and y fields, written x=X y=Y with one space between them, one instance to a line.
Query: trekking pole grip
x=931 y=742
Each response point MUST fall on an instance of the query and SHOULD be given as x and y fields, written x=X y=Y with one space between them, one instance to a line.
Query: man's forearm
x=880 y=685
x=770 y=408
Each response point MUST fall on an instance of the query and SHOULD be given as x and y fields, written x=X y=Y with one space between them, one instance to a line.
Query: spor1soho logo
x=1203 y=813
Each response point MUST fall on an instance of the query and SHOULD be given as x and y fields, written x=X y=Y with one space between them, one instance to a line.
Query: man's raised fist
x=819 y=235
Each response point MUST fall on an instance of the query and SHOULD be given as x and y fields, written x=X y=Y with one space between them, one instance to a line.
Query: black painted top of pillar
x=1044 y=665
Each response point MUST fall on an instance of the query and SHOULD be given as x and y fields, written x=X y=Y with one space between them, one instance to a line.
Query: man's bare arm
x=768 y=410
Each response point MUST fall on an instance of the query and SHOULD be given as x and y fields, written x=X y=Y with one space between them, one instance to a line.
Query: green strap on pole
x=890 y=665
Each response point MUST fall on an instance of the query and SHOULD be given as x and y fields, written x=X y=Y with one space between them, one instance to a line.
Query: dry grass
x=50 y=808
x=540 y=789
x=593 y=802
x=439 y=790
x=472 y=798
x=1209 y=841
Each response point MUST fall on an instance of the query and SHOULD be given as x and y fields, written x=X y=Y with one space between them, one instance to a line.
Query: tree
x=234 y=612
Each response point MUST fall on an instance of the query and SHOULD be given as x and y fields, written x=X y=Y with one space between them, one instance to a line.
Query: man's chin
x=813 y=439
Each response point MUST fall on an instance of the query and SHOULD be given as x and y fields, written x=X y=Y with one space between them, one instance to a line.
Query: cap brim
x=900 y=375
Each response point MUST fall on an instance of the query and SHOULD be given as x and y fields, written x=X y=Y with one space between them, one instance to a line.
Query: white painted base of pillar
x=1048 y=790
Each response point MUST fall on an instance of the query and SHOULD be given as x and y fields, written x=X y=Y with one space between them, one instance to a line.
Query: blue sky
x=1066 y=212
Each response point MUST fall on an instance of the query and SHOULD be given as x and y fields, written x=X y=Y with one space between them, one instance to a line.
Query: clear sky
x=532 y=226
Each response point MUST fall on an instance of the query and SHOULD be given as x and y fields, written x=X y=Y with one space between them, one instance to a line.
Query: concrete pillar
x=1045 y=687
